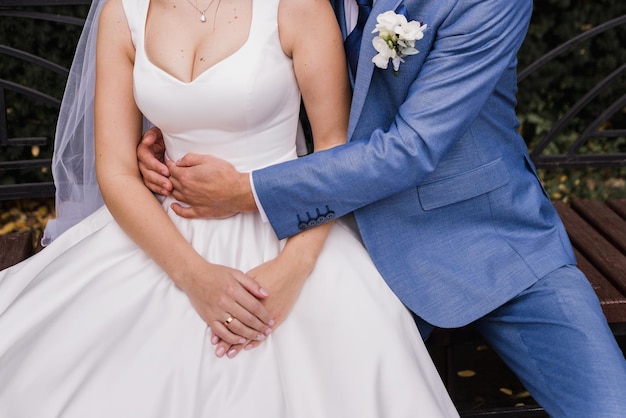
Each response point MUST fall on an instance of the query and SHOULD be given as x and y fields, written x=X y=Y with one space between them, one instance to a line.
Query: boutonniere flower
x=396 y=39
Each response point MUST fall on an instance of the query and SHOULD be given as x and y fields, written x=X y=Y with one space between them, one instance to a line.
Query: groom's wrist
x=257 y=201
x=246 y=199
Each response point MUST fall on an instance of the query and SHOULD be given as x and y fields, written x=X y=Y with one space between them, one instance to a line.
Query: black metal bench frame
x=8 y=10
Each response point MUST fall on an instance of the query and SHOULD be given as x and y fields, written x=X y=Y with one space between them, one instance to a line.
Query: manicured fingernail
x=232 y=353
x=248 y=347
x=260 y=337
x=220 y=352
x=242 y=340
x=263 y=292
x=268 y=331
x=214 y=339
x=271 y=324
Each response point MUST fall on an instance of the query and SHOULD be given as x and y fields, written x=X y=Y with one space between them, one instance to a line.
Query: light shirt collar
x=352 y=12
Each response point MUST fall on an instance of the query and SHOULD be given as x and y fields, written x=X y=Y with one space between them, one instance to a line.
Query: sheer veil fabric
x=77 y=192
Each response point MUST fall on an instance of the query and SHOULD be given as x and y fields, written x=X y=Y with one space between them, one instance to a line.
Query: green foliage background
x=543 y=98
x=549 y=93
x=53 y=41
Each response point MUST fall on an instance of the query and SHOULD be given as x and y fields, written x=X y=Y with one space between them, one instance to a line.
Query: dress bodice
x=243 y=109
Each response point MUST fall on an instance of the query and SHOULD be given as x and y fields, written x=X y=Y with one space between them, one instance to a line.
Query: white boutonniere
x=396 y=39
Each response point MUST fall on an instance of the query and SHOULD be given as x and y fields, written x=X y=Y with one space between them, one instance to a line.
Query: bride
x=121 y=315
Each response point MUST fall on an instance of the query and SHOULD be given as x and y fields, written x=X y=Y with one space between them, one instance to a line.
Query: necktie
x=353 y=41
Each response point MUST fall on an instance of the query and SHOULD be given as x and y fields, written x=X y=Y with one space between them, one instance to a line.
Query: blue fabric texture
x=435 y=171
x=353 y=41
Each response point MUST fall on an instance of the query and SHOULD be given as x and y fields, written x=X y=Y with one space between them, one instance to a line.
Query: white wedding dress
x=91 y=327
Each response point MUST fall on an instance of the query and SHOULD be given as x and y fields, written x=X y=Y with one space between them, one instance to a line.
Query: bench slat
x=605 y=220
x=619 y=206
x=612 y=301
x=15 y=247
x=601 y=253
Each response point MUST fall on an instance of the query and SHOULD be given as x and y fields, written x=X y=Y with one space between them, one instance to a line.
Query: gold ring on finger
x=228 y=320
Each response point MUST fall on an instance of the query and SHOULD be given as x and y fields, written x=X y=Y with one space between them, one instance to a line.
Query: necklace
x=202 y=12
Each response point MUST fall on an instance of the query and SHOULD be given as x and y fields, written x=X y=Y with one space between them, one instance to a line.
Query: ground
x=483 y=381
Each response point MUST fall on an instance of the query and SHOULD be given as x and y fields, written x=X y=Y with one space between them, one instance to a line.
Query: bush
x=29 y=118
x=547 y=95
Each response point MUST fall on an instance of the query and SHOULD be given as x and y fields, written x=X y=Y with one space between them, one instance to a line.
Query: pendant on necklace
x=202 y=17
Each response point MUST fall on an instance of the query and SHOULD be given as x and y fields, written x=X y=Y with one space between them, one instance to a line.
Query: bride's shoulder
x=120 y=10
x=112 y=7
x=304 y=10
x=112 y=11
x=304 y=18
x=114 y=29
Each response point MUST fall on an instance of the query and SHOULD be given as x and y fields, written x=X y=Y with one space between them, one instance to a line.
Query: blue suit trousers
x=555 y=337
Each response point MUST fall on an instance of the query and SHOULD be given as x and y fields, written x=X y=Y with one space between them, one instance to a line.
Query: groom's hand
x=211 y=187
x=150 y=158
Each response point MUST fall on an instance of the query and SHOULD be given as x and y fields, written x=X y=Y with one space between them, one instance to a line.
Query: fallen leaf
x=466 y=373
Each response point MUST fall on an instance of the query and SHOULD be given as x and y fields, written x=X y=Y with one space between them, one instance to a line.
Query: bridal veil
x=77 y=193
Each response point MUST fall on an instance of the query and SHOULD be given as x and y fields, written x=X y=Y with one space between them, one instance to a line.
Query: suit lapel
x=365 y=67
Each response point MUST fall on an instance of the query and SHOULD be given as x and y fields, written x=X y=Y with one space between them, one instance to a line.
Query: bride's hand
x=283 y=277
x=229 y=301
x=150 y=158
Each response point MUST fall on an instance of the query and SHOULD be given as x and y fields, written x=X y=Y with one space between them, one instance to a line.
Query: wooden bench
x=597 y=228
x=598 y=233
x=15 y=247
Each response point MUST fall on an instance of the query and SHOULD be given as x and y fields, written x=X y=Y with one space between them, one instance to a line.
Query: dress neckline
x=207 y=70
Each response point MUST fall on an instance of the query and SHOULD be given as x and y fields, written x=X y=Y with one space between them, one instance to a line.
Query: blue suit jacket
x=446 y=199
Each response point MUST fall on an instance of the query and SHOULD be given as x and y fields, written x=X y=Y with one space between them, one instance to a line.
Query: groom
x=446 y=200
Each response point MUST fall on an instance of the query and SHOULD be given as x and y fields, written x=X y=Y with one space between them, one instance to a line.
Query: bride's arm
x=310 y=35
x=215 y=291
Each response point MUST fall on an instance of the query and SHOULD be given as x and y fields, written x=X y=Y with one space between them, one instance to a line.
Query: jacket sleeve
x=473 y=46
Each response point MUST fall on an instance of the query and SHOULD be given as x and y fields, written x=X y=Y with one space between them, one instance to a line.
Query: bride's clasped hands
x=283 y=278
x=228 y=300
